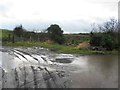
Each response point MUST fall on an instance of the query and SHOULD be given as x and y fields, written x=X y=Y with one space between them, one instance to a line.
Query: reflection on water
x=99 y=71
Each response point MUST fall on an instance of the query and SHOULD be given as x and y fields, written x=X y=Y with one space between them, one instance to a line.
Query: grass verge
x=58 y=48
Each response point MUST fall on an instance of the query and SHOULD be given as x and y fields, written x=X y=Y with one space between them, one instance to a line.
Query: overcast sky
x=71 y=15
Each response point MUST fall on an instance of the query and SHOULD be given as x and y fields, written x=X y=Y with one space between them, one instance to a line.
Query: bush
x=108 y=42
x=96 y=40
x=19 y=31
x=106 y=37
x=56 y=34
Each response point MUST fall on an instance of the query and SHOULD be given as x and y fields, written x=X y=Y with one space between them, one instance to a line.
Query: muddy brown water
x=40 y=68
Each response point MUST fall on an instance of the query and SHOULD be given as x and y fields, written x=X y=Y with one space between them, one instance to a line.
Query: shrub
x=56 y=34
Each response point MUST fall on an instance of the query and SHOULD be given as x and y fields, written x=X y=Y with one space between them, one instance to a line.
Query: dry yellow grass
x=83 y=45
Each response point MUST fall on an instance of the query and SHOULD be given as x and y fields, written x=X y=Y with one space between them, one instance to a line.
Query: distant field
x=75 y=39
x=70 y=38
x=4 y=33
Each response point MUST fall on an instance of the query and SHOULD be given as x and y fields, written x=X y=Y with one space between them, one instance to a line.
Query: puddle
x=63 y=60
x=47 y=69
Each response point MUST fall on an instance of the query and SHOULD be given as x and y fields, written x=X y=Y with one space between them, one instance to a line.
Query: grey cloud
x=76 y=26
x=71 y=26
x=3 y=10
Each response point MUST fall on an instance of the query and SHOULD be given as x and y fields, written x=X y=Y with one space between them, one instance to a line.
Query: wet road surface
x=40 y=68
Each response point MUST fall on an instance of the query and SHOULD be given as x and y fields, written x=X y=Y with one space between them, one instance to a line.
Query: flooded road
x=40 y=68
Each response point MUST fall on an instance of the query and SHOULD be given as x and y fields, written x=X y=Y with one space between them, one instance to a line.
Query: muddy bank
x=40 y=68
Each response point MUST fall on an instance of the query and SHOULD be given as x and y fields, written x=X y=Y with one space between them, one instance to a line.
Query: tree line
x=53 y=33
x=103 y=36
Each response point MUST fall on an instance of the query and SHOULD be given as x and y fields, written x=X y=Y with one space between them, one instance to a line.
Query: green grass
x=75 y=39
x=58 y=48
x=4 y=33
x=53 y=46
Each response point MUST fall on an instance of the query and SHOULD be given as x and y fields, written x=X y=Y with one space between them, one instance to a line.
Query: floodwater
x=41 y=68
